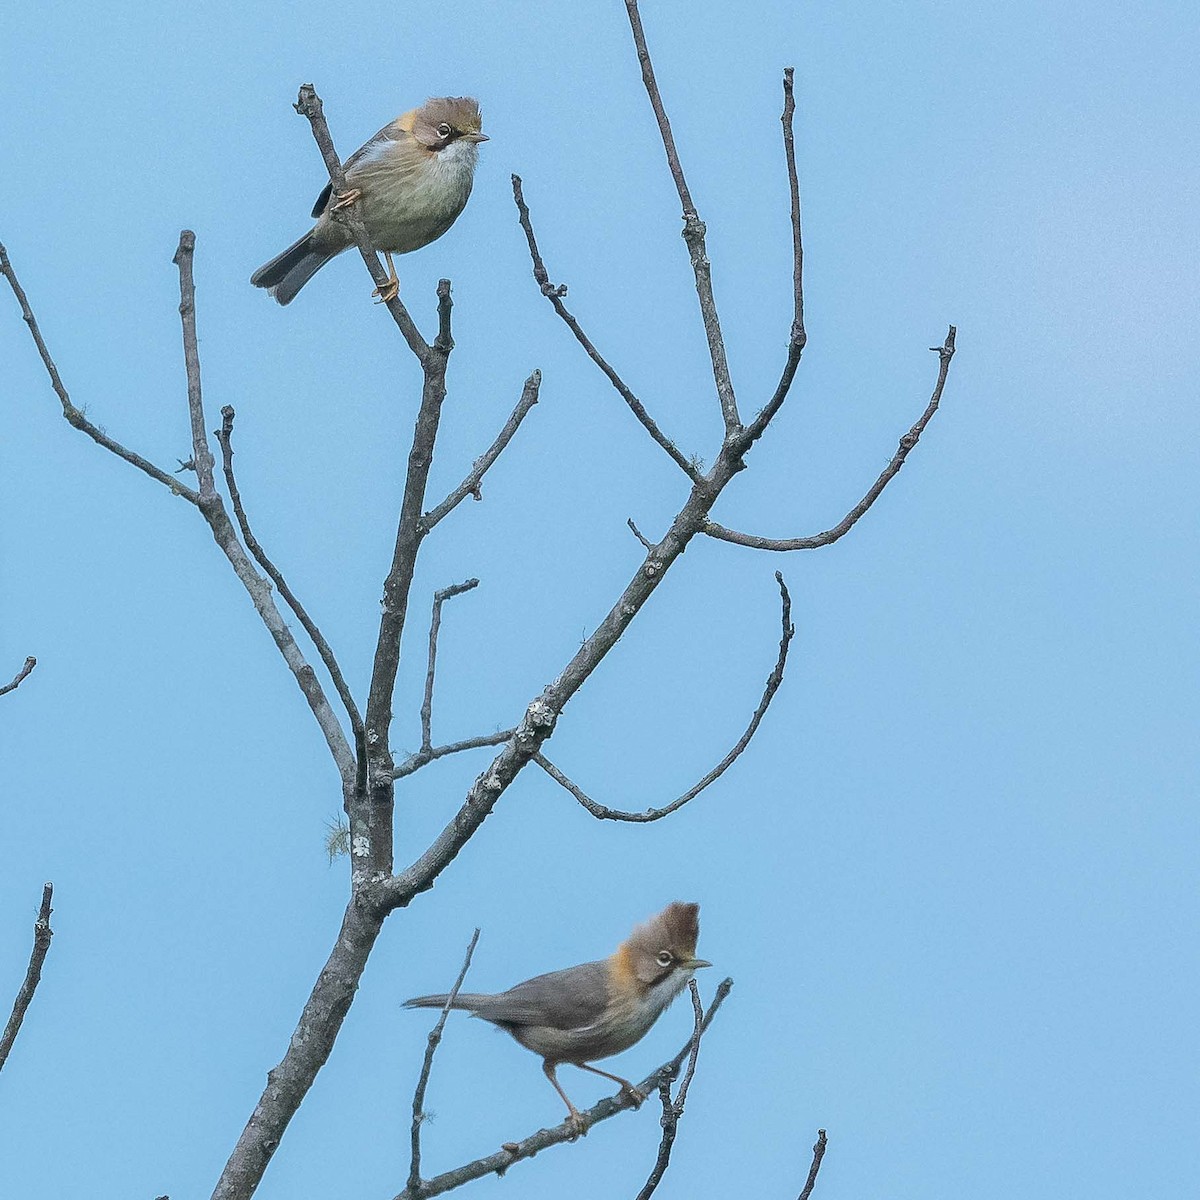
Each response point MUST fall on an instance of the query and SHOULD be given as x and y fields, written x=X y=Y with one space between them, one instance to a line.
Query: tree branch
x=470 y=485
x=42 y=933
x=75 y=416
x=818 y=1154
x=439 y=598
x=604 y=813
x=798 y=337
x=554 y=293
x=213 y=511
x=225 y=438
x=20 y=676
x=308 y=104
x=693 y=229
x=414 y=762
x=435 y=1037
x=514 y=1152
x=673 y=1110
x=945 y=353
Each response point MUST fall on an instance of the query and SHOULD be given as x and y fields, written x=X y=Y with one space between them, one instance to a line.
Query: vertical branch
x=435 y=624
x=202 y=456
x=693 y=229
x=42 y=933
x=818 y=1154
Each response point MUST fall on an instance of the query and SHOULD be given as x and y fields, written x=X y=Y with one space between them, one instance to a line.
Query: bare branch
x=414 y=762
x=672 y=1111
x=604 y=813
x=554 y=293
x=470 y=485
x=202 y=457
x=308 y=104
x=435 y=1037
x=439 y=598
x=637 y=533
x=42 y=933
x=945 y=353
x=213 y=510
x=818 y=1154
x=693 y=229
x=75 y=415
x=514 y=1152
x=799 y=337
x=20 y=676
x=225 y=438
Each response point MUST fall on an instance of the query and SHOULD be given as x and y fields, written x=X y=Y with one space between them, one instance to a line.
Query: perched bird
x=412 y=179
x=597 y=1009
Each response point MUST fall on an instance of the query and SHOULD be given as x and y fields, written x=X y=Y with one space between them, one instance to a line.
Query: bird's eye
x=444 y=130
x=665 y=958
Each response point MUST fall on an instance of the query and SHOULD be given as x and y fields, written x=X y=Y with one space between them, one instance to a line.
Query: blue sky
x=955 y=876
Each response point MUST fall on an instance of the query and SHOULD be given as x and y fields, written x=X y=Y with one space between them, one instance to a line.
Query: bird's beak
x=694 y=964
x=475 y=137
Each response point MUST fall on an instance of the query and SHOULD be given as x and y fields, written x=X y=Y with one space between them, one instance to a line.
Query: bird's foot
x=388 y=292
x=636 y=1097
x=578 y=1124
x=345 y=199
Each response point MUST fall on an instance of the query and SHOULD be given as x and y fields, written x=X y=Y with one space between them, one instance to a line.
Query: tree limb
x=554 y=293
x=414 y=762
x=435 y=1037
x=20 y=676
x=439 y=598
x=818 y=1154
x=693 y=229
x=543 y=1139
x=75 y=416
x=604 y=813
x=470 y=485
x=42 y=933
x=225 y=438
x=945 y=353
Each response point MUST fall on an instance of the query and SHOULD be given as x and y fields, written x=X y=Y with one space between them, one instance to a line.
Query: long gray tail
x=468 y=1001
x=288 y=272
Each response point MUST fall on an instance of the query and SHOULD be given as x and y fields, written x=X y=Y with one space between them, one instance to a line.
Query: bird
x=411 y=180
x=596 y=1009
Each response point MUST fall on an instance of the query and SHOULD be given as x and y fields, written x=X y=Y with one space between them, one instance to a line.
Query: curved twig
x=20 y=676
x=414 y=762
x=470 y=485
x=603 y=813
x=554 y=293
x=42 y=933
x=435 y=1037
x=945 y=353
x=610 y=1106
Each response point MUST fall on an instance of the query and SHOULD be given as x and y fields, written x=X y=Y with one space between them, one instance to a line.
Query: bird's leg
x=391 y=289
x=576 y=1119
x=345 y=199
x=627 y=1088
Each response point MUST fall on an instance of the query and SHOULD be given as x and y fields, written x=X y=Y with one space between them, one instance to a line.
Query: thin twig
x=414 y=762
x=42 y=933
x=213 y=510
x=798 y=337
x=308 y=104
x=470 y=485
x=945 y=353
x=604 y=813
x=673 y=1110
x=75 y=415
x=554 y=293
x=637 y=533
x=693 y=229
x=610 y=1106
x=20 y=676
x=435 y=623
x=225 y=438
x=435 y=1037
x=818 y=1154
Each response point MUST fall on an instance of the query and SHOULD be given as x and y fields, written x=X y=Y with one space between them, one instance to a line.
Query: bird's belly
x=404 y=212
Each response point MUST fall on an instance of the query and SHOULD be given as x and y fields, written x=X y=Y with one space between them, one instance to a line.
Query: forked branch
x=604 y=813
x=42 y=933
x=435 y=624
x=945 y=353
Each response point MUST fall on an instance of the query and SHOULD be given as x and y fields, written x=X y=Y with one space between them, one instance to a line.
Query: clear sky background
x=955 y=876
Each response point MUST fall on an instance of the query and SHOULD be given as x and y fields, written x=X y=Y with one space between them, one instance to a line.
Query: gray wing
x=568 y=999
x=368 y=149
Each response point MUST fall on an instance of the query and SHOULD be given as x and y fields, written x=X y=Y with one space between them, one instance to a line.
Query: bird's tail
x=288 y=272
x=468 y=1001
